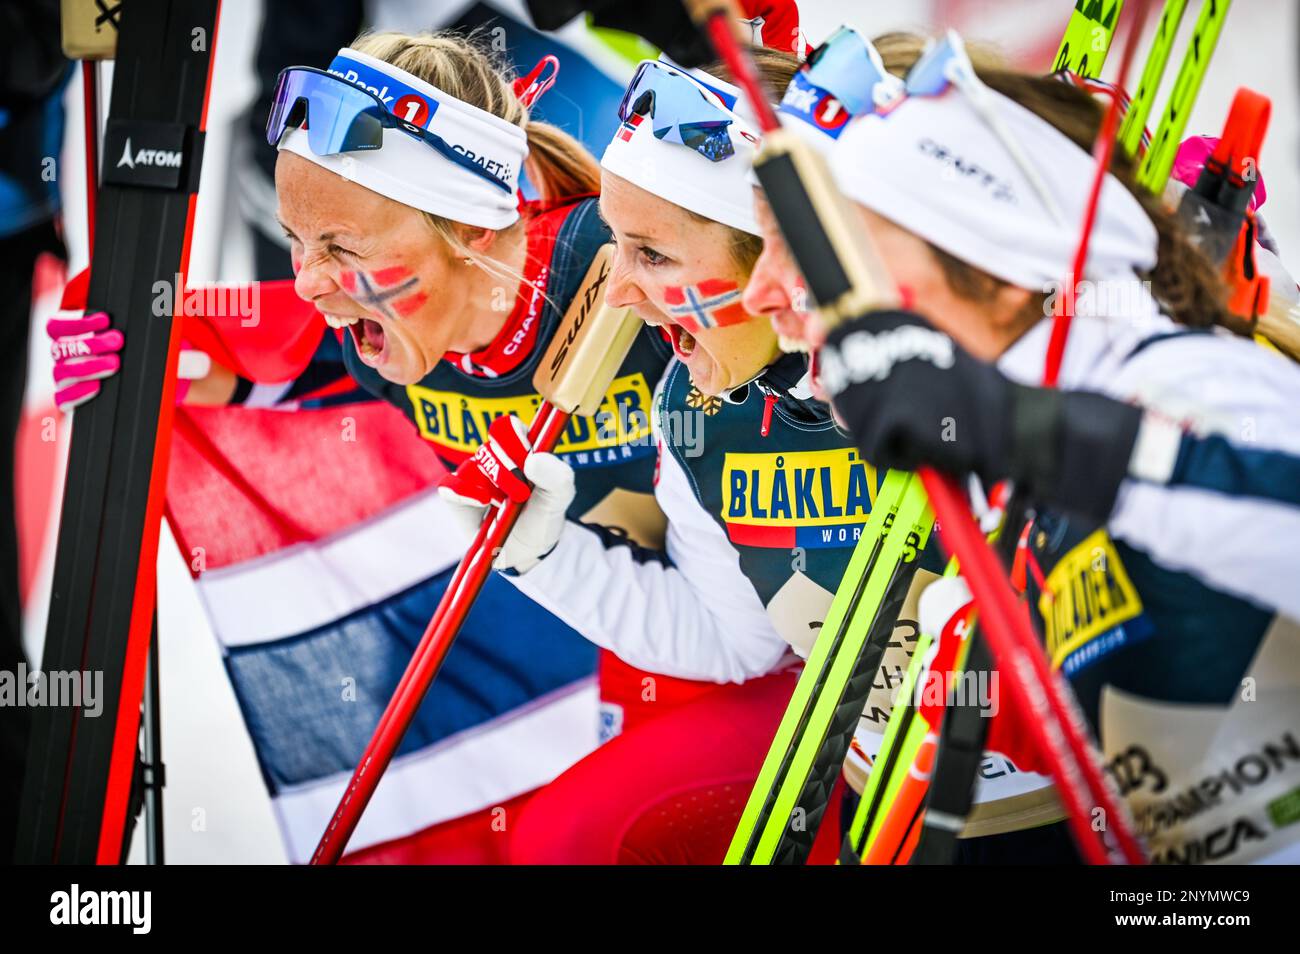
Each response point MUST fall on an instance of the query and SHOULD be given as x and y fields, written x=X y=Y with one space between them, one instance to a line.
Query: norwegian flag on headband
x=713 y=303
x=626 y=130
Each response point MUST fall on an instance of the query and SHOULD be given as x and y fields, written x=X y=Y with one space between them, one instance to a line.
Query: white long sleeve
x=1202 y=523
x=689 y=612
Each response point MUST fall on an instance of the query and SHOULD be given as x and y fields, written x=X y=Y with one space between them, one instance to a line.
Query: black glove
x=664 y=23
x=910 y=395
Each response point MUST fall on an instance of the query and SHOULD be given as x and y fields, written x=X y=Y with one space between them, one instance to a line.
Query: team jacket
x=612 y=452
x=760 y=530
x=1174 y=622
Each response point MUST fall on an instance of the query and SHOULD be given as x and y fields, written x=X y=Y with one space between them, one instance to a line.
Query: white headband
x=412 y=172
x=935 y=167
x=720 y=191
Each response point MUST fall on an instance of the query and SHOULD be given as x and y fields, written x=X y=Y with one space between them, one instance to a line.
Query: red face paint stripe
x=390 y=276
x=716 y=286
x=349 y=281
x=411 y=303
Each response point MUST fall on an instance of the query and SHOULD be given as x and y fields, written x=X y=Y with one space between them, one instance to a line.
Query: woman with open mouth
x=398 y=188
x=765 y=497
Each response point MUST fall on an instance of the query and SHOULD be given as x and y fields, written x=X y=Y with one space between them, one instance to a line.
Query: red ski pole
x=1102 y=152
x=90 y=106
x=573 y=376
x=847 y=279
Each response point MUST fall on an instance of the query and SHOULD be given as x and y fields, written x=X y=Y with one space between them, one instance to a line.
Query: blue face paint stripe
x=372 y=296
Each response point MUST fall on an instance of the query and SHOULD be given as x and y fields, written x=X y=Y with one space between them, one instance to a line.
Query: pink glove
x=1191 y=158
x=85 y=348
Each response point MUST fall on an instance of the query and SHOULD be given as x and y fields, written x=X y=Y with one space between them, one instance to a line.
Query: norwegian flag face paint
x=392 y=292
x=713 y=303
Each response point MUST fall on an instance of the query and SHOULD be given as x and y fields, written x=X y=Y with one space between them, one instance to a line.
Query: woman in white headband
x=838 y=82
x=764 y=498
x=446 y=286
x=1162 y=553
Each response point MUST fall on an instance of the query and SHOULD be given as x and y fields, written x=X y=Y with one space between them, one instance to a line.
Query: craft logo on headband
x=412 y=106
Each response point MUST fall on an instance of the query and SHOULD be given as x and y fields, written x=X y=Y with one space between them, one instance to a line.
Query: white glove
x=541 y=522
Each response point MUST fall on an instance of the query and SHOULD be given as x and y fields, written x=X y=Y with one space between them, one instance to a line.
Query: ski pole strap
x=1214 y=209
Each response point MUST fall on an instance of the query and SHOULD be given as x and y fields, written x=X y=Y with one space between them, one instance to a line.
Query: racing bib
x=617 y=432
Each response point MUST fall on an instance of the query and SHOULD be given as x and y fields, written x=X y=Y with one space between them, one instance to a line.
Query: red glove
x=496 y=471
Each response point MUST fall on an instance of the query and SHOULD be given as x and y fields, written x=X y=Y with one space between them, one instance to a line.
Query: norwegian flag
x=626 y=130
x=713 y=303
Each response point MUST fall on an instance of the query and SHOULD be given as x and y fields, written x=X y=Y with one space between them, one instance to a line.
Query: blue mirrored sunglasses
x=849 y=67
x=679 y=111
x=339 y=117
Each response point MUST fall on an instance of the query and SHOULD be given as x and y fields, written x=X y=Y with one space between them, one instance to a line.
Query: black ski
x=101 y=607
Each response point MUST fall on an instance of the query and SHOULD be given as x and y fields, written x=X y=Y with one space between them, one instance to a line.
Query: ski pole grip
x=589 y=346
x=89 y=29
x=1280 y=324
x=844 y=274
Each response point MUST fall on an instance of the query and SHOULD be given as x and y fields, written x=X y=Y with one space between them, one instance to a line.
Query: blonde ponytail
x=557 y=165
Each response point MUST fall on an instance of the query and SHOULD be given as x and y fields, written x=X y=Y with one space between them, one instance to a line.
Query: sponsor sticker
x=800 y=498
x=1089 y=605
x=143 y=153
x=618 y=431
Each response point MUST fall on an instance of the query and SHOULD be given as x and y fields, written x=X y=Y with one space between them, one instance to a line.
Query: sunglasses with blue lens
x=341 y=117
x=679 y=110
x=849 y=67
